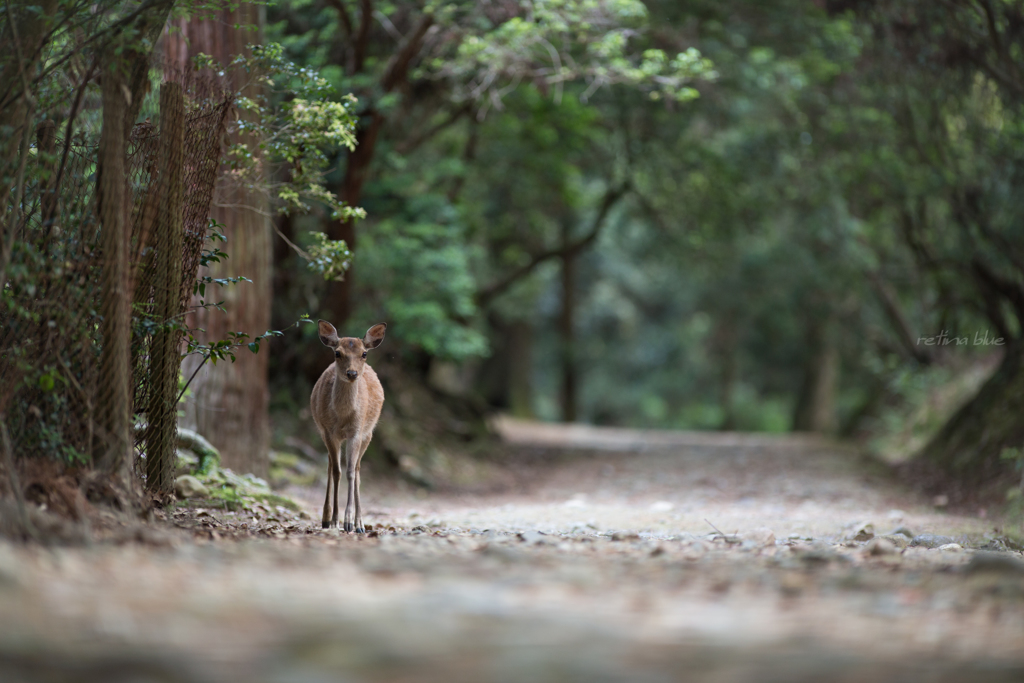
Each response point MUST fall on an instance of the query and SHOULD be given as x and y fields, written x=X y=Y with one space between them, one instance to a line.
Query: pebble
x=863 y=531
x=187 y=486
x=881 y=546
x=952 y=547
x=930 y=541
x=898 y=540
x=994 y=563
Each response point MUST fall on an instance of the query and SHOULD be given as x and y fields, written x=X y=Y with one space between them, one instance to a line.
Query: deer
x=346 y=404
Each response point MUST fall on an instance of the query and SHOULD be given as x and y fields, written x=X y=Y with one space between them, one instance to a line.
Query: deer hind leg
x=333 y=475
x=351 y=452
x=359 y=461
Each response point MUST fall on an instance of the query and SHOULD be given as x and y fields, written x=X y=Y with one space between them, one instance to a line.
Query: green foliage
x=555 y=42
x=423 y=268
x=292 y=121
x=328 y=258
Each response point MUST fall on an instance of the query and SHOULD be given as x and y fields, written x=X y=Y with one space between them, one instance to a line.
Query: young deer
x=346 y=405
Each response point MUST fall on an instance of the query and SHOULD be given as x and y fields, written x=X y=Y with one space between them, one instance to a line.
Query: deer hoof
x=325 y=525
x=360 y=530
x=349 y=527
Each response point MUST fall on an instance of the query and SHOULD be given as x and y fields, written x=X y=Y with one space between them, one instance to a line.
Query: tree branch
x=398 y=66
x=611 y=197
x=411 y=143
x=362 y=41
x=890 y=305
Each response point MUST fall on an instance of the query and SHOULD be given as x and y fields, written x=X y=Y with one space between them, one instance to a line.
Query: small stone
x=952 y=547
x=898 y=540
x=625 y=536
x=532 y=538
x=929 y=541
x=994 y=563
x=863 y=531
x=187 y=486
x=881 y=546
x=903 y=531
x=661 y=506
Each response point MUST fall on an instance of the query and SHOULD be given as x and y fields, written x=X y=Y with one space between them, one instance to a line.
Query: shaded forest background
x=769 y=216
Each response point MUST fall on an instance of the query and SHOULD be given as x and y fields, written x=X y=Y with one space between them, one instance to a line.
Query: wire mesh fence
x=59 y=377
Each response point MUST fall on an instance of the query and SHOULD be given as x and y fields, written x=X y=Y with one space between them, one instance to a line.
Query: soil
x=616 y=555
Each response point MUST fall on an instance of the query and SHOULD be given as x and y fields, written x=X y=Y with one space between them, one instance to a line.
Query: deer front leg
x=359 y=509
x=333 y=475
x=351 y=453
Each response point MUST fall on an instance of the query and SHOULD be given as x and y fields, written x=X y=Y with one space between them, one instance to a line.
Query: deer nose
x=351 y=374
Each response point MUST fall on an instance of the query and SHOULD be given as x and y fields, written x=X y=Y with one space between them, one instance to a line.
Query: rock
x=661 y=506
x=898 y=540
x=952 y=547
x=819 y=556
x=881 y=546
x=186 y=463
x=187 y=486
x=994 y=563
x=902 y=530
x=532 y=538
x=625 y=536
x=863 y=531
x=929 y=541
x=762 y=537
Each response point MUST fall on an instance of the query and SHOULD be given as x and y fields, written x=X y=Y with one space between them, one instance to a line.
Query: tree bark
x=114 y=449
x=520 y=369
x=566 y=327
x=816 y=404
x=963 y=458
x=229 y=402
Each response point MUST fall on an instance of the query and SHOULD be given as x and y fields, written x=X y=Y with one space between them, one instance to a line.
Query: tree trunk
x=566 y=327
x=229 y=401
x=114 y=450
x=520 y=369
x=339 y=302
x=816 y=404
x=726 y=343
x=963 y=458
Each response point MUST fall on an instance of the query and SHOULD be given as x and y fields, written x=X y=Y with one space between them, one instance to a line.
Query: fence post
x=165 y=359
x=113 y=450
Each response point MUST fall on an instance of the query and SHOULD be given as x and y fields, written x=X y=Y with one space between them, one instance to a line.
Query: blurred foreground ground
x=601 y=565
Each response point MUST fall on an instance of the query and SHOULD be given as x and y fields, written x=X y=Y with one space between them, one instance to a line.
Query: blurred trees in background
x=771 y=255
x=777 y=215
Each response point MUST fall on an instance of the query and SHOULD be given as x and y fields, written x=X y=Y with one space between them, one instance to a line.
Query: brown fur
x=346 y=409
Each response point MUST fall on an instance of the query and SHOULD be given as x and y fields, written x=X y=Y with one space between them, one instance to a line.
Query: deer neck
x=345 y=393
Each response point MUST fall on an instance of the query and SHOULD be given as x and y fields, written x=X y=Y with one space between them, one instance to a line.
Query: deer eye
x=337 y=354
x=364 y=354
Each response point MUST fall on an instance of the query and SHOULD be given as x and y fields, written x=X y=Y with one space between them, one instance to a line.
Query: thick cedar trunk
x=113 y=452
x=816 y=404
x=229 y=401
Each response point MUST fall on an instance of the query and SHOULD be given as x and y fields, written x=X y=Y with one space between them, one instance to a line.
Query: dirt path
x=602 y=565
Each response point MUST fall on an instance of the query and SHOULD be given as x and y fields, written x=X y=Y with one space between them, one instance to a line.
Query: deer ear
x=374 y=336
x=328 y=335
